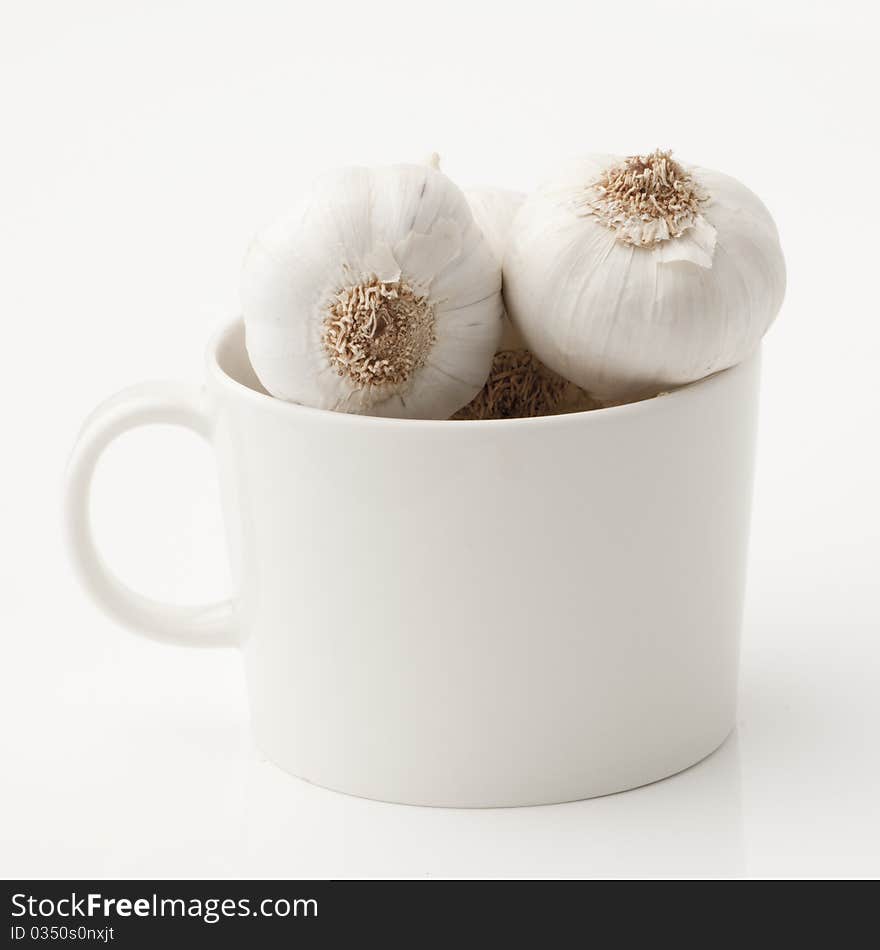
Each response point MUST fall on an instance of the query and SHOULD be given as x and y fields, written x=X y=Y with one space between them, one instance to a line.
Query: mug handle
x=208 y=625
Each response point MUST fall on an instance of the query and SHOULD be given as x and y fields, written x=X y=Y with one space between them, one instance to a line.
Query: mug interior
x=229 y=353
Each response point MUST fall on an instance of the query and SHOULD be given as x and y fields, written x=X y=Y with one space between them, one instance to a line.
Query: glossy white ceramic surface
x=465 y=614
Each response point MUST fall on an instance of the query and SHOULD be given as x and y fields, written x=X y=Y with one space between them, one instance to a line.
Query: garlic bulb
x=633 y=275
x=377 y=295
x=494 y=210
x=519 y=385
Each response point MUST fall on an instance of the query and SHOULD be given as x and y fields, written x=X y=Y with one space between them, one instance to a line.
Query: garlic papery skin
x=629 y=276
x=494 y=210
x=377 y=295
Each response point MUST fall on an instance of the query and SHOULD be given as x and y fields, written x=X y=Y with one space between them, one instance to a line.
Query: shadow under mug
x=474 y=614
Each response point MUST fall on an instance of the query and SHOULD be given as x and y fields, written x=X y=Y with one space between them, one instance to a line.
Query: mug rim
x=274 y=404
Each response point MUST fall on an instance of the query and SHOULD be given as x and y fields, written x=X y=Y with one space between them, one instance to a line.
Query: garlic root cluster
x=521 y=387
x=623 y=278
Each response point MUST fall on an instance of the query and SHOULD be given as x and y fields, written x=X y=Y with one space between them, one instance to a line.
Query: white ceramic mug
x=464 y=613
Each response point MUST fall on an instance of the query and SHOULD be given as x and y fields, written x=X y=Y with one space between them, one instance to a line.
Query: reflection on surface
x=687 y=825
x=175 y=751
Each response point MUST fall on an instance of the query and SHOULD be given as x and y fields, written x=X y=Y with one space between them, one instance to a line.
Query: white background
x=143 y=143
